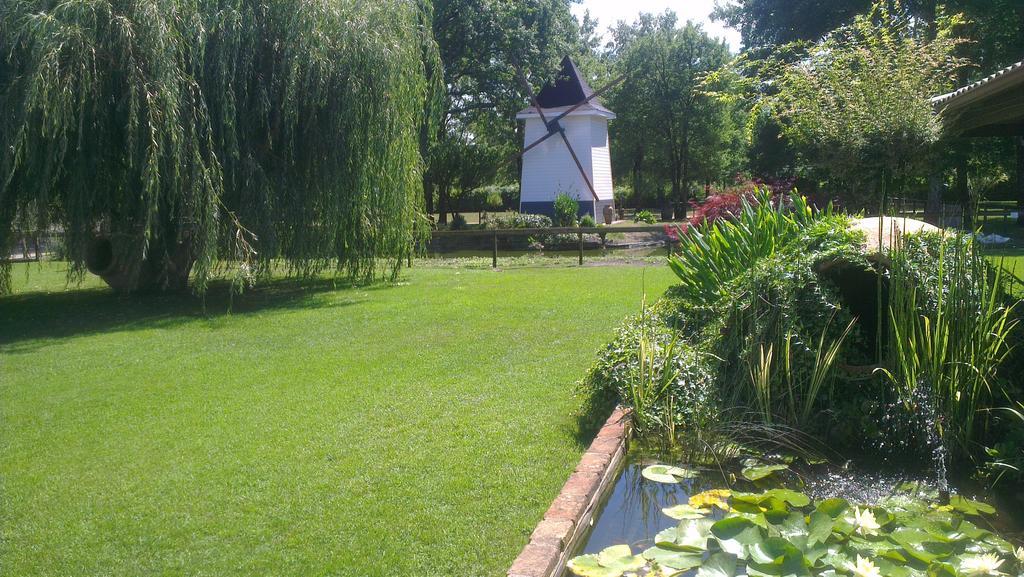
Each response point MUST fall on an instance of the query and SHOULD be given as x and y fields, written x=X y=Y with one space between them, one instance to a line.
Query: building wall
x=601 y=158
x=548 y=169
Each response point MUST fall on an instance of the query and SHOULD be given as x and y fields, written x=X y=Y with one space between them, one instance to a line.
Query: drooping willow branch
x=145 y=121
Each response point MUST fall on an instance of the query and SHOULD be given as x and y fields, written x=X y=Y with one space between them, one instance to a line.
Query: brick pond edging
x=572 y=511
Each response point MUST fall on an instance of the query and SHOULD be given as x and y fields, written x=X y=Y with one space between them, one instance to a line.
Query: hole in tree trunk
x=99 y=257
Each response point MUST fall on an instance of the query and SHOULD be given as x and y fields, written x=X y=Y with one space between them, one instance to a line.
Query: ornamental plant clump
x=644 y=216
x=724 y=533
x=784 y=328
x=566 y=210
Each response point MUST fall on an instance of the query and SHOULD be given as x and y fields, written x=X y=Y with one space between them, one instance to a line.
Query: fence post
x=581 y=248
x=494 y=252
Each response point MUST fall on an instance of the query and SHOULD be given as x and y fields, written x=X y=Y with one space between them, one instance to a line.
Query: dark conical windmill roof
x=568 y=89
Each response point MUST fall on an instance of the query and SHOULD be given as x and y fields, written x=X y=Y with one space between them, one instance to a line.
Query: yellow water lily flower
x=865 y=568
x=712 y=498
x=864 y=521
x=987 y=564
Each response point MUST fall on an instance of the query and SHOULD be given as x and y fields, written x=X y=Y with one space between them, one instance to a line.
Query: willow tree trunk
x=120 y=265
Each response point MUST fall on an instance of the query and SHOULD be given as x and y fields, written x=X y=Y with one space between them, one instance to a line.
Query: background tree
x=857 y=105
x=669 y=129
x=764 y=23
x=181 y=133
x=480 y=43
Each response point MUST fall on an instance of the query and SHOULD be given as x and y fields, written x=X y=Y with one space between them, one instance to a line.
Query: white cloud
x=608 y=12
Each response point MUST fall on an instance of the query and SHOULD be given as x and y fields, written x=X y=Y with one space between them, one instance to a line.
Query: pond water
x=632 y=513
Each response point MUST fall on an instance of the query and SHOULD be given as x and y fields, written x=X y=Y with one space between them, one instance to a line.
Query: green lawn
x=420 y=428
x=1011 y=254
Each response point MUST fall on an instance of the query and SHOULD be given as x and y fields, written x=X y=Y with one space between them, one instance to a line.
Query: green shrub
x=517 y=220
x=712 y=254
x=458 y=222
x=781 y=321
x=666 y=380
x=493 y=200
x=587 y=221
x=766 y=312
x=566 y=209
x=645 y=216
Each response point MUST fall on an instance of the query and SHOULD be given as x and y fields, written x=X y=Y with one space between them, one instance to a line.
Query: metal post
x=494 y=253
x=581 y=249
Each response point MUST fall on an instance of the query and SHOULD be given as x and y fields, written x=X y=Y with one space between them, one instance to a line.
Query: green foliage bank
x=784 y=328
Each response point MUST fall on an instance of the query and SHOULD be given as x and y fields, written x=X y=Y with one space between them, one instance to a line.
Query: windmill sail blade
x=587 y=100
x=579 y=165
x=529 y=91
x=569 y=111
x=537 y=142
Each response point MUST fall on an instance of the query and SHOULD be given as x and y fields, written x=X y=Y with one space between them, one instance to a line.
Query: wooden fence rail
x=495 y=234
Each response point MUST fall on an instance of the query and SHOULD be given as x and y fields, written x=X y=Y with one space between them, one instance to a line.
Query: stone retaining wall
x=572 y=511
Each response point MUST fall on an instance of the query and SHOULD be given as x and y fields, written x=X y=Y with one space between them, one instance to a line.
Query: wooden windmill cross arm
x=572 y=109
x=579 y=165
x=554 y=127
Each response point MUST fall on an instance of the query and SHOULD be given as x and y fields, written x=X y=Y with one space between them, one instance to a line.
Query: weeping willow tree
x=166 y=137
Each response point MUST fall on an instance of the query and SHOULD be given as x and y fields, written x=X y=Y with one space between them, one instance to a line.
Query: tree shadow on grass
x=27 y=318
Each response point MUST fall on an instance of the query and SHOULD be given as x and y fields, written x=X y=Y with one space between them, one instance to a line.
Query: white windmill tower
x=578 y=163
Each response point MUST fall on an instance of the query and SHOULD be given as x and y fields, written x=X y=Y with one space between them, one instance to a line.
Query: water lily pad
x=718 y=565
x=712 y=498
x=794 y=498
x=795 y=525
x=819 y=527
x=941 y=570
x=756 y=472
x=736 y=535
x=691 y=535
x=833 y=507
x=684 y=511
x=969 y=507
x=746 y=503
x=675 y=560
x=667 y=473
x=777 y=556
x=588 y=566
x=610 y=562
x=730 y=527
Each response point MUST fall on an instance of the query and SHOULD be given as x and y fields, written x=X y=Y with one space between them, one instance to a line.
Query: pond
x=634 y=511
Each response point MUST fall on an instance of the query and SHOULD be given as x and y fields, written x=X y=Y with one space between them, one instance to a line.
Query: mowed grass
x=420 y=428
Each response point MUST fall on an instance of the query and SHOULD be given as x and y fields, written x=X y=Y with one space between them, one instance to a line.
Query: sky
x=608 y=12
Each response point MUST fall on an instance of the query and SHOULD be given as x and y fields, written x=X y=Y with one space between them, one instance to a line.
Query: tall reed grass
x=946 y=344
